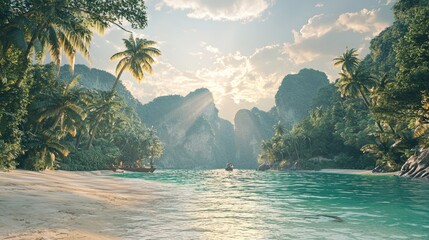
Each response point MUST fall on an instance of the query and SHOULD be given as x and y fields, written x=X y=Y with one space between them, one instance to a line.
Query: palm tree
x=104 y=108
x=381 y=82
x=54 y=26
x=59 y=29
x=63 y=108
x=279 y=129
x=155 y=147
x=353 y=81
x=349 y=61
x=137 y=58
x=44 y=148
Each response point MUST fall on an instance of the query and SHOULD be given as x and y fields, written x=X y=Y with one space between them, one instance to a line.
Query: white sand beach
x=67 y=205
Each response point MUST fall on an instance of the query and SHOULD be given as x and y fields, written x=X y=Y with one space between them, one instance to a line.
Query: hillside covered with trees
x=48 y=120
x=375 y=114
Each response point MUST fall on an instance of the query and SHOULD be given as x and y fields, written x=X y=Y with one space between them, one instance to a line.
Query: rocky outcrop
x=293 y=101
x=191 y=130
x=417 y=166
x=251 y=127
x=296 y=93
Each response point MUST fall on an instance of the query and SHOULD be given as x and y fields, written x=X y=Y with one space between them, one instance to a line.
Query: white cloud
x=244 y=80
x=219 y=10
x=364 y=21
x=316 y=27
x=319 y=5
x=325 y=36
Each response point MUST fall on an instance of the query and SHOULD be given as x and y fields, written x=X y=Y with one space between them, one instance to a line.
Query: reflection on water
x=245 y=204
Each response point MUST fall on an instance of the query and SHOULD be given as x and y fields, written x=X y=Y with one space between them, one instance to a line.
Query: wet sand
x=68 y=205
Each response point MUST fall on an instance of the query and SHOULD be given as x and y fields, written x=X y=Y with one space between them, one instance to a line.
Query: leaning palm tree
x=353 y=81
x=137 y=58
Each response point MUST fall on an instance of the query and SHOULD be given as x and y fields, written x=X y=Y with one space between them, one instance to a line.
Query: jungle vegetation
x=50 y=123
x=377 y=111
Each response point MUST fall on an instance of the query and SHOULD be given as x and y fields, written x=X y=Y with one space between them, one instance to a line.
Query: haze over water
x=246 y=204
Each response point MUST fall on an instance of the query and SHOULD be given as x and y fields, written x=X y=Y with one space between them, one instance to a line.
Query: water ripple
x=244 y=204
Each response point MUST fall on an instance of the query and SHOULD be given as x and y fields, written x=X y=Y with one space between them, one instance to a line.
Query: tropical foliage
x=47 y=122
x=381 y=117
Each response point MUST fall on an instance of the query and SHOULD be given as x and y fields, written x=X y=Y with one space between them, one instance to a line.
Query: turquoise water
x=245 y=204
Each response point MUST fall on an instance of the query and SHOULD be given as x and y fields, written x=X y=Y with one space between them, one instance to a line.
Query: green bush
x=100 y=157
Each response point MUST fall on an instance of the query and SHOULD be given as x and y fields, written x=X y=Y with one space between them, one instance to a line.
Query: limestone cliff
x=251 y=127
x=295 y=95
x=293 y=101
x=193 y=134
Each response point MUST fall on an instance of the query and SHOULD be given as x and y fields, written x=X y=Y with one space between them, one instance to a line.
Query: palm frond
x=421 y=130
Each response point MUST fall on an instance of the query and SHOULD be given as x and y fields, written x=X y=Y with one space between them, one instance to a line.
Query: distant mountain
x=293 y=101
x=251 y=127
x=193 y=134
x=93 y=78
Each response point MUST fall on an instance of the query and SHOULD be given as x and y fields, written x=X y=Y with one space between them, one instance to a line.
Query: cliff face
x=295 y=95
x=193 y=134
x=189 y=127
x=293 y=101
x=251 y=127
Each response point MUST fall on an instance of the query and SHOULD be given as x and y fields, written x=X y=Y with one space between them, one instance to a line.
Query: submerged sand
x=68 y=205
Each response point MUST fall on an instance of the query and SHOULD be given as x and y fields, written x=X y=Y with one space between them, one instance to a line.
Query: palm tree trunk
x=78 y=139
x=393 y=130
x=296 y=150
x=92 y=133
x=27 y=55
x=117 y=79
x=368 y=105
x=94 y=129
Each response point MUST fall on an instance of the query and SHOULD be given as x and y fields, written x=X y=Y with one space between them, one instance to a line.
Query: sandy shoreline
x=358 y=171
x=68 y=205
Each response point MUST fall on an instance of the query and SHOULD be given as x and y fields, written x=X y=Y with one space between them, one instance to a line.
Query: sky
x=242 y=49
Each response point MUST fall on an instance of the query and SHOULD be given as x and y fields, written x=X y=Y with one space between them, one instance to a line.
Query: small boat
x=229 y=167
